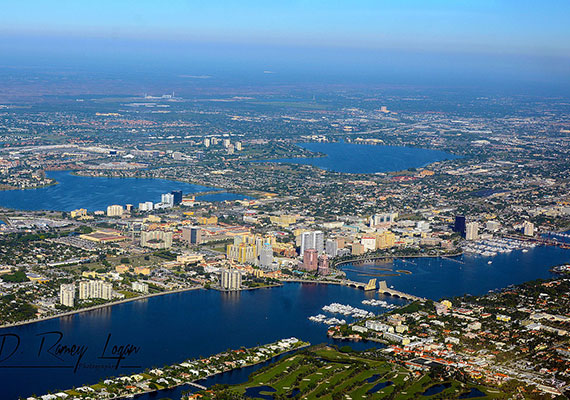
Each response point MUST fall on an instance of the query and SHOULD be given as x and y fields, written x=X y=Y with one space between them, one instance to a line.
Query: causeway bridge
x=384 y=289
x=371 y=285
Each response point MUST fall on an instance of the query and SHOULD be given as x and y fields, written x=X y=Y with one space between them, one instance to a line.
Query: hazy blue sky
x=398 y=41
x=529 y=27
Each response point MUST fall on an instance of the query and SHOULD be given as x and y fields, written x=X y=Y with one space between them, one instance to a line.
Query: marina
x=492 y=247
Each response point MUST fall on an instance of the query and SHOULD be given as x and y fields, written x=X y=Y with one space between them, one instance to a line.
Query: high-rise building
x=146 y=206
x=230 y=279
x=368 y=242
x=67 y=294
x=310 y=260
x=472 y=231
x=156 y=239
x=239 y=146
x=266 y=256
x=243 y=253
x=528 y=228
x=177 y=196
x=312 y=240
x=167 y=199
x=206 y=142
x=385 y=240
x=331 y=247
x=192 y=234
x=459 y=225
x=114 y=211
x=323 y=265
x=226 y=143
x=95 y=290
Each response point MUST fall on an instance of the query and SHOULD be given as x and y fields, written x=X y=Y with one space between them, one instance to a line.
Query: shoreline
x=340 y=263
x=97 y=307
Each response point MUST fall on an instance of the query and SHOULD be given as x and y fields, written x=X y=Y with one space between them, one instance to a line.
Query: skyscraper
x=310 y=260
x=177 y=196
x=266 y=256
x=528 y=228
x=67 y=294
x=230 y=279
x=459 y=225
x=331 y=247
x=472 y=231
x=312 y=240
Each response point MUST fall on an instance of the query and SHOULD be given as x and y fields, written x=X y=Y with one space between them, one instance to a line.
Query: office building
x=139 y=287
x=156 y=239
x=472 y=231
x=385 y=240
x=206 y=142
x=192 y=235
x=67 y=295
x=239 y=146
x=226 y=143
x=114 y=211
x=385 y=218
x=177 y=197
x=459 y=225
x=230 y=279
x=528 y=228
x=95 y=290
x=312 y=240
x=310 y=260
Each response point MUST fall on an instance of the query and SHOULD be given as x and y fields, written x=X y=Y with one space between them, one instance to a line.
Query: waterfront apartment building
x=146 y=206
x=528 y=228
x=230 y=279
x=67 y=295
x=472 y=231
x=323 y=265
x=192 y=235
x=139 y=287
x=156 y=239
x=167 y=200
x=95 y=289
x=115 y=211
x=310 y=260
x=312 y=240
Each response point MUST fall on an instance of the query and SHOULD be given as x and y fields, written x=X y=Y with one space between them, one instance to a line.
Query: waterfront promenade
x=97 y=307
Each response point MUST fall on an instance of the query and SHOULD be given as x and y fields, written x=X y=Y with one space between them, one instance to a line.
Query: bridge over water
x=371 y=285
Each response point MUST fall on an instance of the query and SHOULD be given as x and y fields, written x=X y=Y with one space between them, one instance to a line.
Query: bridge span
x=371 y=285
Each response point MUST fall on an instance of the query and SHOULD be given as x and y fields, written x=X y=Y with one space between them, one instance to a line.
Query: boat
x=489 y=262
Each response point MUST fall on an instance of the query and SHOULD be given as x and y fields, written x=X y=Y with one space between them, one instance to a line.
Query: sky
x=523 y=36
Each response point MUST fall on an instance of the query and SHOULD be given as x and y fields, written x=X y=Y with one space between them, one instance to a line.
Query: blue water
x=379 y=386
x=473 y=393
x=172 y=328
x=437 y=277
x=255 y=392
x=367 y=159
x=435 y=389
x=96 y=193
x=169 y=329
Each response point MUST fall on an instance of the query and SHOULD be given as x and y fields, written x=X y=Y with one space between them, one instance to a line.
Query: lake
x=367 y=159
x=96 y=193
